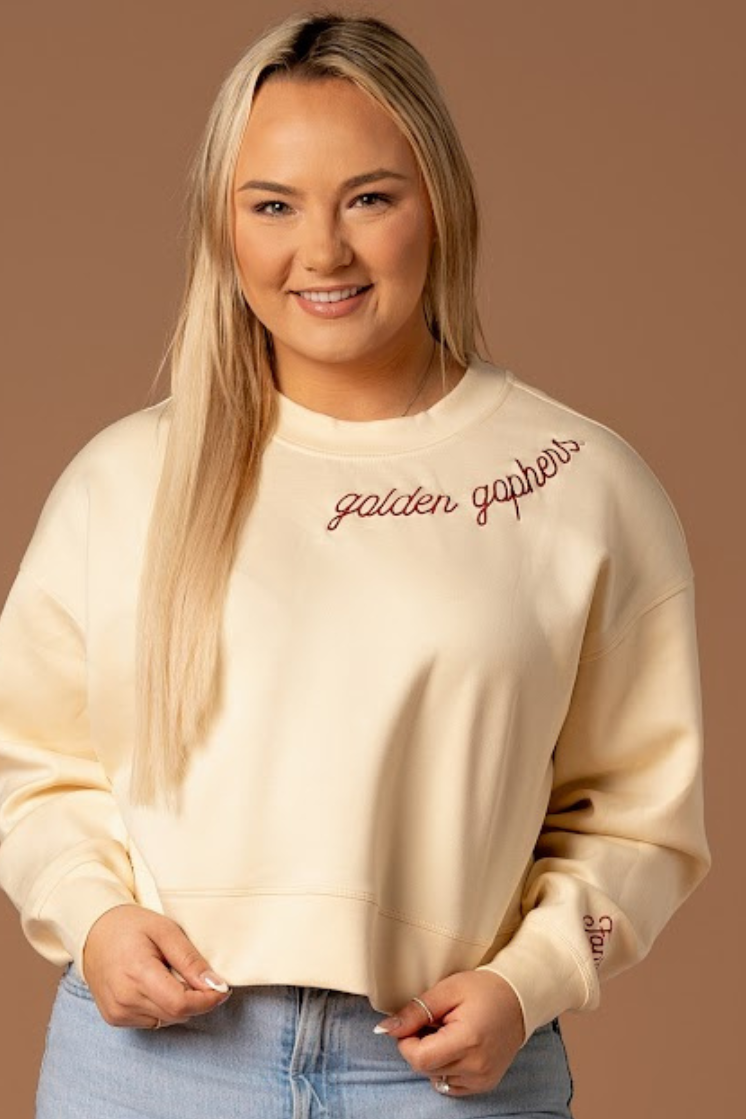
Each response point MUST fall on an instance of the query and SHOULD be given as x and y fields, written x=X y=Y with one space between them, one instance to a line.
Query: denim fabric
x=271 y=1052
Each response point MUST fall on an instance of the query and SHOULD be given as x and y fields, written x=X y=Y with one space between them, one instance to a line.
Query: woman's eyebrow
x=356 y=180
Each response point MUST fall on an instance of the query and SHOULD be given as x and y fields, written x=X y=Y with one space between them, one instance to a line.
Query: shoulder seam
x=41 y=584
x=547 y=399
x=677 y=588
x=538 y=395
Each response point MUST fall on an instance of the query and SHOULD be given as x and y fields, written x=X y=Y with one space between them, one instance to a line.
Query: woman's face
x=307 y=228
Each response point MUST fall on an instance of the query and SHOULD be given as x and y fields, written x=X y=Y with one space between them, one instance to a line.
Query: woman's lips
x=329 y=310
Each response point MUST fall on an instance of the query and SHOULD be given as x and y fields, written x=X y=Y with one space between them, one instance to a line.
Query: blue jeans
x=271 y=1052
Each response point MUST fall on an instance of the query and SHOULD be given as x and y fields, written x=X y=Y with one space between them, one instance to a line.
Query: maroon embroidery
x=597 y=934
x=514 y=486
x=509 y=488
x=403 y=505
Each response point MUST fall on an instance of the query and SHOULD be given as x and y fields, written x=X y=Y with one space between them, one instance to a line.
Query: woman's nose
x=324 y=247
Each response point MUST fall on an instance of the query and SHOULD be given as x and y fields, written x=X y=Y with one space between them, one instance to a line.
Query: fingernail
x=386 y=1025
x=214 y=981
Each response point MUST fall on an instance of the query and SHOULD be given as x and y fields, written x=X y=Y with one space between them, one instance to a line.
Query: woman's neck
x=376 y=391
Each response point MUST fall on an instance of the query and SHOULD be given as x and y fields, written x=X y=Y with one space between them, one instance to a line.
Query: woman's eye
x=262 y=207
x=379 y=197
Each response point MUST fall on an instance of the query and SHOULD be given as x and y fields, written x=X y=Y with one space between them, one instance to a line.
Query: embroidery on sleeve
x=597 y=934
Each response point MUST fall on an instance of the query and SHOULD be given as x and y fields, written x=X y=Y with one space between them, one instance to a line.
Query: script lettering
x=512 y=487
x=401 y=505
x=597 y=933
x=508 y=489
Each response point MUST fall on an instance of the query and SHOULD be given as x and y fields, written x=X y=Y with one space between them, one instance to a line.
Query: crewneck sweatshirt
x=460 y=721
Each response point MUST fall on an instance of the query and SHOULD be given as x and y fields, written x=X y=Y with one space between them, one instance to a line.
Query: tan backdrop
x=607 y=141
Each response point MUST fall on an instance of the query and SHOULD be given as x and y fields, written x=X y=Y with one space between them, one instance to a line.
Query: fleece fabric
x=460 y=723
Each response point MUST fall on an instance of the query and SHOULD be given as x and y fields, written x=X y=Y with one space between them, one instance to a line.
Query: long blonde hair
x=222 y=409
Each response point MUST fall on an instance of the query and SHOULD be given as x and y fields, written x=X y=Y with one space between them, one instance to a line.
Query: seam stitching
x=545 y=397
x=198 y=894
x=590 y=979
x=69 y=864
x=41 y=584
x=327 y=453
x=627 y=626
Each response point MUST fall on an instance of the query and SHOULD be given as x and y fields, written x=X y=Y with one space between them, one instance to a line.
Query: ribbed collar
x=480 y=391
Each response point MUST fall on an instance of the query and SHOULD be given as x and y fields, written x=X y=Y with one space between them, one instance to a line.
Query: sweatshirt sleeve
x=623 y=841
x=63 y=845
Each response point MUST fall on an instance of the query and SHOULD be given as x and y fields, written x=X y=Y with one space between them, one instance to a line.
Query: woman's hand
x=480 y=1030
x=127 y=959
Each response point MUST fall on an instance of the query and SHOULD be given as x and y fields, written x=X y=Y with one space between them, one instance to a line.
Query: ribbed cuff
x=70 y=909
x=546 y=972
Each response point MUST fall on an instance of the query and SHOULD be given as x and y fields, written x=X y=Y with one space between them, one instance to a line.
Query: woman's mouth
x=331 y=304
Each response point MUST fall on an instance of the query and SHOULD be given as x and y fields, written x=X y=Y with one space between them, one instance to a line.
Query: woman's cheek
x=411 y=244
x=402 y=251
x=260 y=262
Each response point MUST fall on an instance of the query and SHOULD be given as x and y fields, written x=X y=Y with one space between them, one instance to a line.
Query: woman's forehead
x=330 y=114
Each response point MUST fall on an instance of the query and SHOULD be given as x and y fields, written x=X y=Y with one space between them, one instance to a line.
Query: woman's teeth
x=330 y=296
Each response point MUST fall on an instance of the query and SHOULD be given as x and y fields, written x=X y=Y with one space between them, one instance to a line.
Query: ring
x=442 y=1085
x=425 y=1007
x=158 y=1024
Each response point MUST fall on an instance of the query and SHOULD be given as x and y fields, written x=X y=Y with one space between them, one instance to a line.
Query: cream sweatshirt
x=460 y=725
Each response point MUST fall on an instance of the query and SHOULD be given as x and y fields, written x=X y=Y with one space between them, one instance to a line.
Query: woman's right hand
x=127 y=959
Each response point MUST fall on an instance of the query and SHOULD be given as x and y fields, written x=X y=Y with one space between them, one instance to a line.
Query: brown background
x=607 y=142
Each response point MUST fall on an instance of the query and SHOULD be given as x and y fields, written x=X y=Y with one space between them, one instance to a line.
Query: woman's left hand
x=478 y=1031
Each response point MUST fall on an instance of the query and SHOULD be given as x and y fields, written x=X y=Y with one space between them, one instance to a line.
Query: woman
x=356 y=678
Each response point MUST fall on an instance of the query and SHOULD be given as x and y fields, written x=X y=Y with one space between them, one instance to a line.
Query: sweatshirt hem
x=284 y=937
x=331 y=892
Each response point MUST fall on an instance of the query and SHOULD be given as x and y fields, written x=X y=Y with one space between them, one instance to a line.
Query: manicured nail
x=214 y=981
x=387 y=1024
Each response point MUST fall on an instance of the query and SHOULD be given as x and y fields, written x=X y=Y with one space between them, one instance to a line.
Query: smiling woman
x=317 y=701
x=354 y=264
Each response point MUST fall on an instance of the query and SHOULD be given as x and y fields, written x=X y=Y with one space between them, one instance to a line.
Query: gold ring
x=425 y=1007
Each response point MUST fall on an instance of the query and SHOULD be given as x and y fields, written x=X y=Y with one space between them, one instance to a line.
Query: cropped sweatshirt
x=460 y=723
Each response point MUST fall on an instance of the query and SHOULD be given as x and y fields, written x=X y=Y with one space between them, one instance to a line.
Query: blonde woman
x=349 y=701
